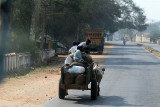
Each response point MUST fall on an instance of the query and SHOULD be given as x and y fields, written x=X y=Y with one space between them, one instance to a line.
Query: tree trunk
x=35 y=16
x=77 y=34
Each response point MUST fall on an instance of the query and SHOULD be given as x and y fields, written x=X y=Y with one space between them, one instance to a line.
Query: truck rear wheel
x=100 y=52
x=93 y=89
x=61 y=90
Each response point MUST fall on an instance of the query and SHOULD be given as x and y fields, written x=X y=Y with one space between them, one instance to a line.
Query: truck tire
x=100 y=52
x=61 y=91
x=93 y=89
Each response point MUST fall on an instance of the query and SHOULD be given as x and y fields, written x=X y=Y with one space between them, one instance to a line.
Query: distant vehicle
x=124 y=42
x=96 y=35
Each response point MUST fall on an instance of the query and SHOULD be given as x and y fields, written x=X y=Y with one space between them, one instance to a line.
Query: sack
x=80 y=80
x=76 y=69
x=68 y=60
x=87 y=58
x=68 y=79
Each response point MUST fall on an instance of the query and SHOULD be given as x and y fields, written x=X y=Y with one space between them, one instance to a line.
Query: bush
x=20 y=43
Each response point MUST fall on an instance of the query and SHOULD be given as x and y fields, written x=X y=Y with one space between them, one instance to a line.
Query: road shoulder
x=38 y=86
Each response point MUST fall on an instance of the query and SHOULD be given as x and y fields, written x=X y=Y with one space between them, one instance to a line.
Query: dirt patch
x=38 y=86
x=35 y=88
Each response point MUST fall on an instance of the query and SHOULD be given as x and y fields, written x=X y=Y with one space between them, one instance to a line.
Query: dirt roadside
x=151 y=50
x=38 y=86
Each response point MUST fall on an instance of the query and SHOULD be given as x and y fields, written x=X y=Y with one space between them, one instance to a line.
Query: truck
x=96 y=35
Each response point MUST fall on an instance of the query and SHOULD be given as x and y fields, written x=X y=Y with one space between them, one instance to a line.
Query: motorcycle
x=124 y=42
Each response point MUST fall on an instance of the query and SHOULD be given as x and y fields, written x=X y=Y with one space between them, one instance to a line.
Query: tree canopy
x=111 y=15
x=64 y=20
x=155 y=34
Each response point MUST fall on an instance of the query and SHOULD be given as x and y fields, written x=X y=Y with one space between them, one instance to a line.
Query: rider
x=73 y=48
x=85 y=44
x=124 y=41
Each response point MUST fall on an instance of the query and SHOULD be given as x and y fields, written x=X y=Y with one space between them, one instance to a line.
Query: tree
x=68 y=18
x=132 y=16
x=20 y=23
x=35 y=17
x=155 y=35
x=21 y=16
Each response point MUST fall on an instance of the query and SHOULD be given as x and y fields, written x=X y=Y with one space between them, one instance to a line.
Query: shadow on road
x=102 y=100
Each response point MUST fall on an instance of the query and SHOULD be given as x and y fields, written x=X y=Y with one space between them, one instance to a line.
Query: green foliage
x=153 y=27
x=79 y=14
x=132 y=16
x=66 y=19
x=154 y=35
x=73 y=5
x=108 y=14
x=21 y=43
x=21 y=15
x=20 y=23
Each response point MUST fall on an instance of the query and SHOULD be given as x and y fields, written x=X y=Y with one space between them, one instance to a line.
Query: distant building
x=158 y=41
x=142 y=38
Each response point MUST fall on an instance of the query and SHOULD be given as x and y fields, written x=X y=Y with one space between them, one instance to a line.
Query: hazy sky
x=151 y=8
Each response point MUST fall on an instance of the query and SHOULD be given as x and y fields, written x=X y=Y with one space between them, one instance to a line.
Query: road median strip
x=151 y=50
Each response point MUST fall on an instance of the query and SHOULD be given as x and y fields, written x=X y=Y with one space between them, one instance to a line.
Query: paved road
x=132 y=79
x=154 y=46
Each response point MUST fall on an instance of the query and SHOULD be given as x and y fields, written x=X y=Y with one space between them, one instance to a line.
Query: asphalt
x=131 y=79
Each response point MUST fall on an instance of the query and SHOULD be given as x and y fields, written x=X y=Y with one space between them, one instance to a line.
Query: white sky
x=151 y=8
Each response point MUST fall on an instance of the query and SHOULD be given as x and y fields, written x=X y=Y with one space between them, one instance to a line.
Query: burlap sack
x=68 y=78
x=87 y=58
x=80 y=80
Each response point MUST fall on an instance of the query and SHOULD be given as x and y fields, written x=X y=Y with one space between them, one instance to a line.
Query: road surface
x=132 y=79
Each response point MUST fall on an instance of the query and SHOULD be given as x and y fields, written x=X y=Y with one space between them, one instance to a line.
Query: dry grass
x=151 y=50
